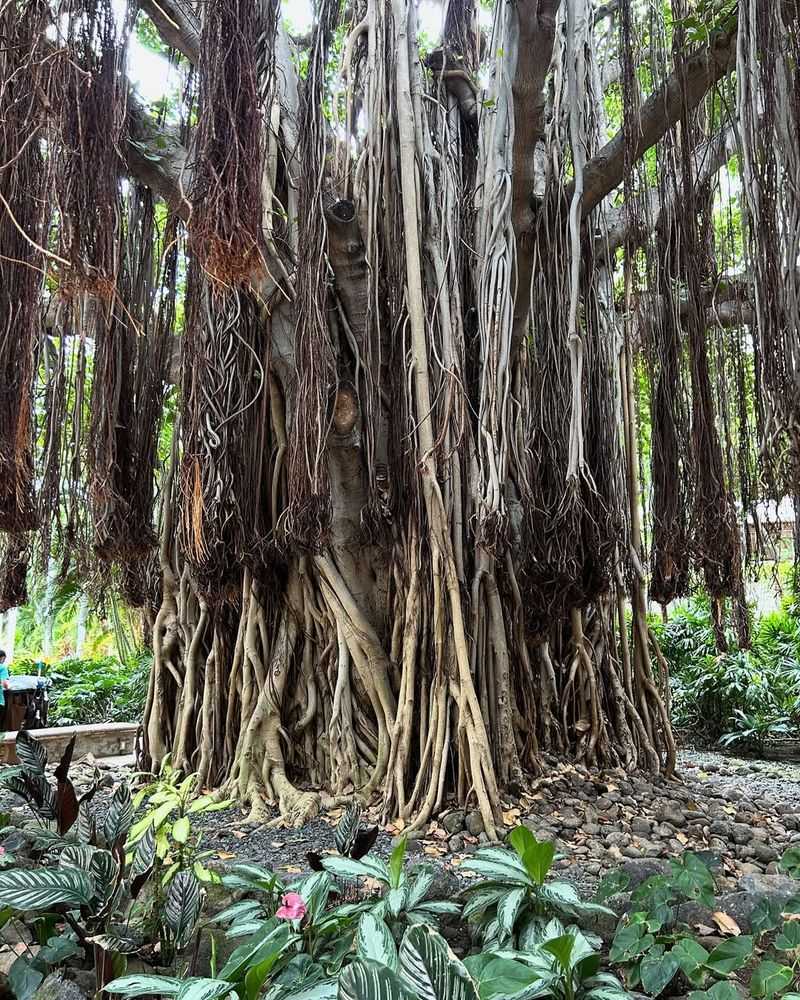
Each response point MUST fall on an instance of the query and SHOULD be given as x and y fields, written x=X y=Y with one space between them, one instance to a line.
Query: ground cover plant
x=361 y=928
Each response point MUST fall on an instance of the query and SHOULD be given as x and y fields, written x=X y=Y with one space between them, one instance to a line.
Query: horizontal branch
x=629 y=226
x=683 y=90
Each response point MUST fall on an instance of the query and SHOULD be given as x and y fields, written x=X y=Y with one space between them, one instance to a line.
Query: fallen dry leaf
x=682 y=837
x=726 y=924
x=225 y=855
x=433 y=851
x=703 y=929
x=293 y=869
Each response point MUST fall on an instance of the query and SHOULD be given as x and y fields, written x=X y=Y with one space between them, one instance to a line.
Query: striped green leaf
x=430 y=970
x=44 y=888
x=145 y=986
x=374 y=941
x=366 y=980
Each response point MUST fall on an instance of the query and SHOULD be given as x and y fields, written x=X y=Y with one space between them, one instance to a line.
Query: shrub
x=98 y=690
x=742 y=697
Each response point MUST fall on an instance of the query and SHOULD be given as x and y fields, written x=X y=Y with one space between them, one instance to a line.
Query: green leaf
x=374 y=942
x=371 y=981
x=561 y=947
x=396 y=901
x=719 y=991
x=657 y=972
x=396 y=863
x=766 y=916
x=630 y=941
x=58 y=949
x=499 y=865
x=205 y=989
x=501 y=977
x=419 y=887
x=790 y=862
x=429 y=968
x=145 y=854
x=119 y=817
x=536 y=855
x=142 y=986
x=730 y=955
x=182 y=907
x=23 y=979
x=77 y=856
x=770 y=978
x=691 y=957
x=115 y=944
x=30 y=753
x=611 y=884
x=269 y=943
x=181 y=829
x=365 y=868
x=789 y=937
x=509 y=908
x=347 y=827
x=44 y=888
x=315 y=891
x=104 y=870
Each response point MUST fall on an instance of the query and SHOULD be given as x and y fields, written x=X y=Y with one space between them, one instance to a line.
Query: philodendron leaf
x=730 y=955
x=790 y=862
x=45 y=888
x=770 y=978
x=719 y=991
x=789 y=937
x=657 y=972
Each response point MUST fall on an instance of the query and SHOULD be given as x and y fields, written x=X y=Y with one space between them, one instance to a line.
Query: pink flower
x=293 y=907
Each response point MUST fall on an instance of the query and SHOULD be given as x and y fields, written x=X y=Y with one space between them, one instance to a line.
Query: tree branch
x=177 y=26
x=157 y=158
x=683 y=89
x=623 y=226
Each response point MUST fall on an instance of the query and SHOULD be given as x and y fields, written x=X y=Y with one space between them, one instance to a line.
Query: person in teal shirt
x=4 y=676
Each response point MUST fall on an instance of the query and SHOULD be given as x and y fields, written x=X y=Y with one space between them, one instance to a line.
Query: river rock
x=57 y=987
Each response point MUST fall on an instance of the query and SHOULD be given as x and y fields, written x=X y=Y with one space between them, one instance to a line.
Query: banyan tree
x=394 y=377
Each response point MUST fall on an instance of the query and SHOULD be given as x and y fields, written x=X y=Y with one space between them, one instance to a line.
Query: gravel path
x=780 y=779
x=742 y=812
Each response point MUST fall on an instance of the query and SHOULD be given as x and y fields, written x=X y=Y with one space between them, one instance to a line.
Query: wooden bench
x=107 y=739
